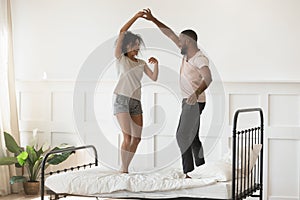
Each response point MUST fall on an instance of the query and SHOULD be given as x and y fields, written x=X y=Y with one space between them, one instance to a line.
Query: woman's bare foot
x=123 y=171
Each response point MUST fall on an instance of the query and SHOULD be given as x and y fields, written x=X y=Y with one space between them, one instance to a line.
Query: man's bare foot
x=187 y=176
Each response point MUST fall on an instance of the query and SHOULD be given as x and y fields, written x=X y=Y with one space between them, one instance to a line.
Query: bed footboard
x=243 y=142
x=71 y=149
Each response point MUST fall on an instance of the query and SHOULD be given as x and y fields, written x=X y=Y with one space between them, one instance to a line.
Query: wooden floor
x=30 y=197
x=22 y=196
x=19 y=197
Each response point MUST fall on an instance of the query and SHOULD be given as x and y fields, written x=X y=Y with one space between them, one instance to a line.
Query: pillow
x=254 y=153
x=221 y=170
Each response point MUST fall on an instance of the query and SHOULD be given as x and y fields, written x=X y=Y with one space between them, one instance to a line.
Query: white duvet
x=102 y=181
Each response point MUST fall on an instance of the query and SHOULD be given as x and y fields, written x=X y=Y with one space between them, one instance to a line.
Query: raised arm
x=164 y=28
x=118 y=50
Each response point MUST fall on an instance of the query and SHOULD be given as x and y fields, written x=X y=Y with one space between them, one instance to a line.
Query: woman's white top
x=130 y=76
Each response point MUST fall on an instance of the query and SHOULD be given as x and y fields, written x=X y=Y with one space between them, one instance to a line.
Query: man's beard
x=183 y=50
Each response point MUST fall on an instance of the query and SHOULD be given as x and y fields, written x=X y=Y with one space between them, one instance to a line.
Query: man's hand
x=192 y=99
x=147 y=14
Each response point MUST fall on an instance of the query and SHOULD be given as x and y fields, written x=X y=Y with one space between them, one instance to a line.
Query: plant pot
x=31 y=188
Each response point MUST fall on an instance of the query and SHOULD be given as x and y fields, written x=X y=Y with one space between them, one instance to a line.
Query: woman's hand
x=152 y=74
x=147 y=14
x=139 y=14
x=152 y=60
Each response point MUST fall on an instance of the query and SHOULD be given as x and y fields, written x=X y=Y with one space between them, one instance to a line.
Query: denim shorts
x=126 y=104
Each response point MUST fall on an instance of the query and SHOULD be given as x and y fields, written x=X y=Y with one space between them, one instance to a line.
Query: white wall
x=254 y=46
x=247 y=40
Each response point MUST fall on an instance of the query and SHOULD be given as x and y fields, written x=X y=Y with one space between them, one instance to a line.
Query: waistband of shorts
x=184 y=100
x=121 y=95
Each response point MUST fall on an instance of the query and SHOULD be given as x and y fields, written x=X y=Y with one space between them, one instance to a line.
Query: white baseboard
x=282 y=198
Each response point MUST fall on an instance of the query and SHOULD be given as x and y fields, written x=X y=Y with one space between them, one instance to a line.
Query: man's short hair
x=191 y=34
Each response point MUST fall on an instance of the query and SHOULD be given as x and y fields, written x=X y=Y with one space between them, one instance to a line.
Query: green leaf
x=8 y=160
x=22 y=158
x=17 y=179
x=59 y=158
x=36 y=169
x=40 y=152
x=11 y=144
x=32 y=154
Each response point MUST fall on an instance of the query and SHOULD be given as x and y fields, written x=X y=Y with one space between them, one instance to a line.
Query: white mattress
x=106 y=183
x=219 y=190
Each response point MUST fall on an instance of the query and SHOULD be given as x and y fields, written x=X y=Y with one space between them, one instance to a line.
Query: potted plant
x=31 y=159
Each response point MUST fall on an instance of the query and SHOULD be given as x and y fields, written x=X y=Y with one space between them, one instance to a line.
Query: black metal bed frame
x=71 y=149
x=242 y=187
x=253 y=182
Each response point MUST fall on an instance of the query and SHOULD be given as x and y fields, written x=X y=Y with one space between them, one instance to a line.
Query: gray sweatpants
x=188 y=136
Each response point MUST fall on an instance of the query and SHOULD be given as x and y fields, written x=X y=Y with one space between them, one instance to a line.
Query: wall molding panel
x=48 y=106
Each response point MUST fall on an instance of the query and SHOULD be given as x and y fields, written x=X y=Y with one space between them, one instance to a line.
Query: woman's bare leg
x=136 y=132
x=124 y=120
x=132 y=129
x=125 y=152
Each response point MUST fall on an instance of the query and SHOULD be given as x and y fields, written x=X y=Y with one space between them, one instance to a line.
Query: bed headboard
x=245 y=182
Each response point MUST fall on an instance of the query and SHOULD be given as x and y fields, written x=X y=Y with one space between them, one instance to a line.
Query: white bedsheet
x=220 y=190
x=98 y=180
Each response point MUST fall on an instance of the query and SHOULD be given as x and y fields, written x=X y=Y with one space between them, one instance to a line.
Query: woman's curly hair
x=130 y=38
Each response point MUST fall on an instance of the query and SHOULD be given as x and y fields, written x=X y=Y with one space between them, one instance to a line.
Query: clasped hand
x=191 y=100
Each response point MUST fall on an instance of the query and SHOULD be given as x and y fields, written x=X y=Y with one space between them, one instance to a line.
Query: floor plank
x=22 y=196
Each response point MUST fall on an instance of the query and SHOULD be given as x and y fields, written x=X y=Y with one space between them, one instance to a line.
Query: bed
x=236 y=176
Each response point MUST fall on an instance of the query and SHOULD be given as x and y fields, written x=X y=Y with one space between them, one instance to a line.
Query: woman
x=127 y=104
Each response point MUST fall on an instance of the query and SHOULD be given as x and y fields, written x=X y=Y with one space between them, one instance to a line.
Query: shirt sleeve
x=121 y=59
x=144 y=63
x=119 y=62
x=206 y=74
x=201 y=61
x=202 y=64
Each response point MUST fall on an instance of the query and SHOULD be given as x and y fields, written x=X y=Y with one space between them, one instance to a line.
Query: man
x=195 y=77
